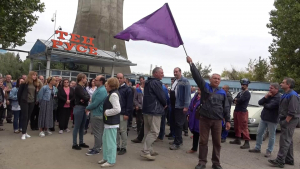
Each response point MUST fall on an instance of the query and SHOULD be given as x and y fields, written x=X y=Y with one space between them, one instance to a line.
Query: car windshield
x=255 y=97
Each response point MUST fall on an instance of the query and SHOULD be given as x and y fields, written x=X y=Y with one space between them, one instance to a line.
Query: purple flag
x=158 y=27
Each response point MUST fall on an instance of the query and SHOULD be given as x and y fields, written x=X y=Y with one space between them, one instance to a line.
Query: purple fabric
x=158 y=27
x=193 y=121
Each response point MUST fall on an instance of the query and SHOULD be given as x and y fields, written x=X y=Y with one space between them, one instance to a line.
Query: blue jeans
x=263 y=125
x=17 y=119
x=80 y=119
x=162 y=127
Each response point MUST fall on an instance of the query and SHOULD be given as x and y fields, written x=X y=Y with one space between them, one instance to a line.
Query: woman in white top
x=90 y=89
x=111 y=119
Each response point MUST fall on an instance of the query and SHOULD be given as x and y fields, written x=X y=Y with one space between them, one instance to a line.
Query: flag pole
x=184 y=50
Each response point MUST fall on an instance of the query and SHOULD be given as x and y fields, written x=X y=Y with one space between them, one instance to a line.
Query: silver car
x=254 y=112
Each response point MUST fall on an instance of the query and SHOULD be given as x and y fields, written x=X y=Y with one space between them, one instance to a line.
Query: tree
x=257 y=70
x=17 y=18
x=285 y=29
x=203 y=71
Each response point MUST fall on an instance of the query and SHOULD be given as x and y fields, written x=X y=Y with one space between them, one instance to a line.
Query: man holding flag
x=214 y=107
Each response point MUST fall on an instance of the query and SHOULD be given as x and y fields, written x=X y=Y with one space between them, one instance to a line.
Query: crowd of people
x=109 y=105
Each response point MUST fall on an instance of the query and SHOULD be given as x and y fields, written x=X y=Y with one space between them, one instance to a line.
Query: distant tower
x=103 y=19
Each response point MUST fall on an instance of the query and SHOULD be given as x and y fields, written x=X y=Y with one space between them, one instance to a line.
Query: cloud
x=220 y=33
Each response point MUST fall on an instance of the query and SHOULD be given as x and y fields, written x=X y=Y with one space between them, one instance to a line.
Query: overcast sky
x=217 y=32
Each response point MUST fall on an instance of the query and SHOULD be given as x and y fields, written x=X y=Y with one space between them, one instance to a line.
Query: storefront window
x=65 y=73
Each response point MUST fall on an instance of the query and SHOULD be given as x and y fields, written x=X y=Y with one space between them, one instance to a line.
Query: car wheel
x=298 y=126
x=253 y=136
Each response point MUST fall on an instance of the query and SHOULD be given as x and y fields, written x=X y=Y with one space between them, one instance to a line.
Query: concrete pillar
x=31 y=64
x=112 y=71
x=48 y=66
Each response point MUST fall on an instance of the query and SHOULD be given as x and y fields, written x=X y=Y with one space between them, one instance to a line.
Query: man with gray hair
x=154 y=103
x=214 y=108
x=269 y=119
x=288 y=120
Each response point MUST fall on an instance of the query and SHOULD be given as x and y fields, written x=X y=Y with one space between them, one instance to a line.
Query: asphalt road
x=54 y=152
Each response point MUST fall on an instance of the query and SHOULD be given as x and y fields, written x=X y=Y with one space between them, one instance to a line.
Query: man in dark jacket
x=289 y=116
x=154 y=103
x=126 y=110
x=214 y=108
x=269 y=119
x=9 y=85
x=230 y=99
x=241 y=115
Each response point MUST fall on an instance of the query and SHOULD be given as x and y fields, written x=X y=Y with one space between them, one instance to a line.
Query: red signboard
x=87 y=43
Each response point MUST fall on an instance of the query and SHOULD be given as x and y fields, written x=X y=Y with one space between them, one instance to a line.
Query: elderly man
x=180 y=97
x=126 y=109
x=41 y=78
x=269 y=119
x=214 y=108
x=24 y=77
x=289 y=116
x=96 y=109
x=154 y=103
x=9 y=85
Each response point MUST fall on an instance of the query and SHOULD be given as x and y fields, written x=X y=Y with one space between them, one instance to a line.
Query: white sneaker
x=102 y=161
x=67 y=130
x=42 y=134
x=27 y=135
x=48 y=132
x=23 y=136
x=105 y=165
x=61 y=132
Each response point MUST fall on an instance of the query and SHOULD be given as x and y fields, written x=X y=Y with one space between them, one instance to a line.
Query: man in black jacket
x=154 y=103
x=269 y=119
x=214 y=108
x=126 y=109
x=241 y=115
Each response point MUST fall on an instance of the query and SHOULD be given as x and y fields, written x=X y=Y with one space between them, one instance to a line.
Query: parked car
x=254 y=112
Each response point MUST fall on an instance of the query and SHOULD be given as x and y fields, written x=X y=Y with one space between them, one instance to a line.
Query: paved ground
x=54 y=152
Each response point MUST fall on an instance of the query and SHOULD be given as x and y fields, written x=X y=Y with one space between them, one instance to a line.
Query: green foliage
x=203 y=71
x=17 y=18
x=285 y=29
x=257 y=70
x=13 y=65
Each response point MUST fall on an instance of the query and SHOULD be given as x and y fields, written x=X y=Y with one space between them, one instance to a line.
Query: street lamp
x=117 y=53
x=53 y=19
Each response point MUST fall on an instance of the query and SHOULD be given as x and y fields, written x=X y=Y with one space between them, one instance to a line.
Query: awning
x=102 y=59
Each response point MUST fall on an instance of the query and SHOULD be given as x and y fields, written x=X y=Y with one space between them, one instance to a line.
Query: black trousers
x=26 y=110
x=64 y=116
x=186 y=125
x=179 y=119
x=34 y=118
x=195 y=141
x=1 y=114
x=8 y=113
x=139 y=120
x=141 y=133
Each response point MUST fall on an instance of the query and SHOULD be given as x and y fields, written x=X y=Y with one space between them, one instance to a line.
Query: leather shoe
x=216 y=166
x=276 y=163
x=200 y=166
x=289 y=162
